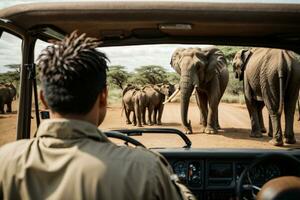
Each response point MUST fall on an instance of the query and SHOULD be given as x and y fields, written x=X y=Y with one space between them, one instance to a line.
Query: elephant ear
x=175 y=59
x=215 y=61
x=245 y=55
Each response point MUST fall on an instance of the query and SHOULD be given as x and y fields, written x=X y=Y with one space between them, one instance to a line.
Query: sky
x=128 y=56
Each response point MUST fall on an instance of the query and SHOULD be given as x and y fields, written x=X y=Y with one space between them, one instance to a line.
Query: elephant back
x=128 y=88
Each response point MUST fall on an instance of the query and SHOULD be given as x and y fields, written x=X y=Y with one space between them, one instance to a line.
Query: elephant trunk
x=186 y=91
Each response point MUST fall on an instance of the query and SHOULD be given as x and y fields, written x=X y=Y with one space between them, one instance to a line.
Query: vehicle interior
x=210 y=173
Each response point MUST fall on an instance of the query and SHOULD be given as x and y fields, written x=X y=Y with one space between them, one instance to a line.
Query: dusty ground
x=233 y=119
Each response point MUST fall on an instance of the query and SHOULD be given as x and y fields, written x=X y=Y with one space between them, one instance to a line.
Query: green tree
x=11 y=76
x=150 y=74
x=117 y=76
x=230 y=51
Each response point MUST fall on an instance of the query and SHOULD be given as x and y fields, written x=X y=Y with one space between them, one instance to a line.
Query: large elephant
x=271 y=78
x=134 y=100
x=203 y=69
x=7 y=95
x=156 y=95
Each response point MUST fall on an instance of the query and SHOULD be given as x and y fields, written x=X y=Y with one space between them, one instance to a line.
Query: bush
x=114 y=96
x=230 y=98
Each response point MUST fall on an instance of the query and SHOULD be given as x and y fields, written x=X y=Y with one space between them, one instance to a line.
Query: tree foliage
x=117 y=76
x=150 y=74
x=229 y=52
x=11 y=76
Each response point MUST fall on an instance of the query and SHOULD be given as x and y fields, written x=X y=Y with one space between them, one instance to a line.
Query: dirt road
x=233 y=118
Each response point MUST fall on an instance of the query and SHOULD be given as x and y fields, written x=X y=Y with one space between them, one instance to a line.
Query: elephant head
x=166 y=89
x=239 y=63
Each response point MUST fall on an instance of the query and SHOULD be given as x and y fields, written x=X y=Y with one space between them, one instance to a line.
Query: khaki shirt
x=71 y=159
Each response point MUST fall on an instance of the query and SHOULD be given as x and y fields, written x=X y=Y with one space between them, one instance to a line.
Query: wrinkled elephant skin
x=272 y=79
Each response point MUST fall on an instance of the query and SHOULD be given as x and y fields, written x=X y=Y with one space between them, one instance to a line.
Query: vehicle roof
x=126 y=23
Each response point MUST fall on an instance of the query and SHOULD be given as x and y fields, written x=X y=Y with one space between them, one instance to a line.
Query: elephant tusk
x=172 y=96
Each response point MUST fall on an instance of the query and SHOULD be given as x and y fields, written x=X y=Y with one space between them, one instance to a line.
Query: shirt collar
x=70 y=129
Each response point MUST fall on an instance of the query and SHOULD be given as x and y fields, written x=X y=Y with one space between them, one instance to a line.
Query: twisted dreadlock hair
x=72 y=74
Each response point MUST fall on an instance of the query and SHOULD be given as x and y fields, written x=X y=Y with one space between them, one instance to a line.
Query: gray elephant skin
x=134 y=100
x=272 y=79
x=299 y=107
x=7 y=95
x=156 y=95
x=203 y=69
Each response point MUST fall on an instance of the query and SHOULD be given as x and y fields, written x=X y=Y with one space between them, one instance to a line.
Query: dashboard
x=214 y=174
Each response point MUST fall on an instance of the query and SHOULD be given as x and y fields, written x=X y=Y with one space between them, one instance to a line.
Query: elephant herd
x=7 y=95
x=271 y=78
x=137 y=100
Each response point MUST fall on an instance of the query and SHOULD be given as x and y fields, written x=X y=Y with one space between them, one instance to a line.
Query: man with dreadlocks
x=70 y=158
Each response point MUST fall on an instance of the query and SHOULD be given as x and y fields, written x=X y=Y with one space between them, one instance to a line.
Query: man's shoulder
x=13 y=150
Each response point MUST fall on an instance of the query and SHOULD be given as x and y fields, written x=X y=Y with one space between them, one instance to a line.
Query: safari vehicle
x=210 y=173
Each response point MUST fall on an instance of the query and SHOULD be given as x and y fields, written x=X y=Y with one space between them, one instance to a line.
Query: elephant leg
x=298 y=102
x=203 y=103
x=276 y=124
x=198 y=104
x=134 y=118
x=144 y=115
x=9 y=110
x=270 y=132
x=252 y=110
x=272 y=103
x=137 y=110
x=260 y=106
x=155 y=116
x=1 y=107
x=150 y=113
x=254 y=118
x=213 y=97
x=127 y=113
x=217 y=119
x=212 y=116
x=160 y=112
x=290 y=102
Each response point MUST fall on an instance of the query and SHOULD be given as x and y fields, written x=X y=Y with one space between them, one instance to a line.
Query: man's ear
x=103 y=97
x=42 y=98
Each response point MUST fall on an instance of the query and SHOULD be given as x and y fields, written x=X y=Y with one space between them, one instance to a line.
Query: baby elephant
x=272 y=79
x=134 y=100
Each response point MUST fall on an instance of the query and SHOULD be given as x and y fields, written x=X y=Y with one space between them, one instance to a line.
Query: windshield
x=143 y=66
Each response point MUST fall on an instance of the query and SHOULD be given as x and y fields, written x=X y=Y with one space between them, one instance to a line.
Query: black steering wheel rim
x=122 y=136
x=260 y=160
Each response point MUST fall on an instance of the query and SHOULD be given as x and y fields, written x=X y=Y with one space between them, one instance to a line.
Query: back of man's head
x=72 y=74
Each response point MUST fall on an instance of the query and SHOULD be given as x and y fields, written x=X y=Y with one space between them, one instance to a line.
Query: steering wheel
x=286 y=160
x=121 y=136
